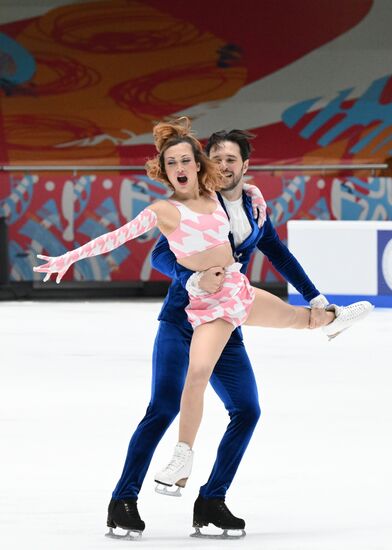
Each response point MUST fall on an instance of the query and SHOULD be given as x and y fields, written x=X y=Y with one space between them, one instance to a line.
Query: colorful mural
x=83 y=84
x=51 y=214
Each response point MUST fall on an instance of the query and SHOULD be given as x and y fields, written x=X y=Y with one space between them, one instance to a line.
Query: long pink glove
x=146 y=220
x=259 y=205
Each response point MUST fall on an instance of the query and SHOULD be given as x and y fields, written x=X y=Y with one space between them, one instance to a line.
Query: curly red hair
x=167 y=134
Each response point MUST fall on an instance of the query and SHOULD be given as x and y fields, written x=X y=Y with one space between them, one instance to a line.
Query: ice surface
x=75 y=382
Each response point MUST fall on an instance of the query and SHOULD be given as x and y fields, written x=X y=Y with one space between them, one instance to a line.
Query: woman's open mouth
x=182 y=179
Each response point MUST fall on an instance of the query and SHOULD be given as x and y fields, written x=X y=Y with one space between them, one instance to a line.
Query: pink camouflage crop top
x=198 y=232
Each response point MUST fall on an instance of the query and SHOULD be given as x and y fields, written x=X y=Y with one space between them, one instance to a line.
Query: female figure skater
x=197 y=228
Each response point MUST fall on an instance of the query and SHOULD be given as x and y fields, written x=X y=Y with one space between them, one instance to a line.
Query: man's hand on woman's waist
x=210 y=281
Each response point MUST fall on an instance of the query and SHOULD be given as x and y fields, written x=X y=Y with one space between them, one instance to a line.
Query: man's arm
x=286 y=263
x=164 y=261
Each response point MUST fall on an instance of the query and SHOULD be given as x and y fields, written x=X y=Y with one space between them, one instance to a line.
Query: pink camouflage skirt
x=232 y=303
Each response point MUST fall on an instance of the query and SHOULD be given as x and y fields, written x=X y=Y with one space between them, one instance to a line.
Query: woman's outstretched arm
x=146 y=220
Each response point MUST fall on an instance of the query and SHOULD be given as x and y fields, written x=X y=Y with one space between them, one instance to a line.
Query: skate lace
x=131 y=510
x=351 y=312
x=177 y=461
x=221 y=506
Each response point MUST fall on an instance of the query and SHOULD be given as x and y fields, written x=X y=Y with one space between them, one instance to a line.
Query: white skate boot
x=346 y=316
x=176 y=472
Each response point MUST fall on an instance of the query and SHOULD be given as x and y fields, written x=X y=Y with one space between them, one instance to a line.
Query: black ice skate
x=216 y=512
x=124 y=514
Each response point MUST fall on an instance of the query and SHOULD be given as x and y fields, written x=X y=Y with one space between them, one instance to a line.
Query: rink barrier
x=4 y=267
x=51 y=212
x=347 y=260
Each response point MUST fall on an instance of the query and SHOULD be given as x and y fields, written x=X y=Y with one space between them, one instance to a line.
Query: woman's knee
x=198 y=375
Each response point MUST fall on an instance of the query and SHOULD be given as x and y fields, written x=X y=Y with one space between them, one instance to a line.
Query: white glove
x=192 y=284
x=319 y=302
x=205 y=282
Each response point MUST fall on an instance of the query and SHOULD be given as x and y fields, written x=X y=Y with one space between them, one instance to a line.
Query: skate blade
x=332 y=336
x=166 y=491
x=128 y=536
x=223 y=536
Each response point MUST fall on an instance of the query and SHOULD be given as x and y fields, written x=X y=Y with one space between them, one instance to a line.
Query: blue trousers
x=234 y=382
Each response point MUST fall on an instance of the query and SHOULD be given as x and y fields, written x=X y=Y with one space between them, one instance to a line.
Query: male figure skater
x=233 y=378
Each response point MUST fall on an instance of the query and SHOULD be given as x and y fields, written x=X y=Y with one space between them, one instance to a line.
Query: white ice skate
x=176 y=472
x=346 y=316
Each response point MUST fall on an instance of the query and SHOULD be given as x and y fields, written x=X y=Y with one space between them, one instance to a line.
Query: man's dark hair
x=240 y=137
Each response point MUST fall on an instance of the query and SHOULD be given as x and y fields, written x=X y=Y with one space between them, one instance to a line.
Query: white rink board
x=340 y=257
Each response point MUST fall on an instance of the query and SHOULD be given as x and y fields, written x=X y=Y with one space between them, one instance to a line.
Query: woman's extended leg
x=207 y=345
x=270 y=311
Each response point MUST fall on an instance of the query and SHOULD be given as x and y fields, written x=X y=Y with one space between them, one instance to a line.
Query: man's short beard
x=233 y=184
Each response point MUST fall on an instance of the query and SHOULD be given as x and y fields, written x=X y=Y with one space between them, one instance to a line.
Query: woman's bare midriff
x=218 y=256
